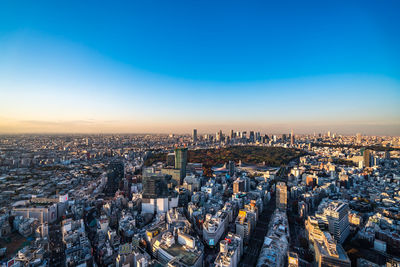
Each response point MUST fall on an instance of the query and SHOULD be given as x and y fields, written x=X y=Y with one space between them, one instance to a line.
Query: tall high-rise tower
x=231 y=168
x=251 y=137
x=291 y=138
x=367 y=158
x=281 y=195
x=181 y=160
x=218 y=136
x=194 y=135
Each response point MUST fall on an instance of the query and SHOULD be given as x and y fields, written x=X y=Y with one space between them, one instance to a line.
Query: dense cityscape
x=160 y=200
x=200 y=133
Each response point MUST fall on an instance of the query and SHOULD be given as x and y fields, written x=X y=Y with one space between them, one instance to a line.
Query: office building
x=115 y=173
x=154 y=186
x=231 y=168
x=194 y=135
x=181 y=161
x=337 y=214
x=239 y=185
x=291 y=138
x=251 y=137
x=281 y=195
x=155 y=196
x=218 y=136
x=170 y=160
x=367 y=158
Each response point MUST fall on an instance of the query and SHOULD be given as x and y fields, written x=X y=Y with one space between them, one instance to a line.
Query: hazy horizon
x=163 y=67
x=278 y=130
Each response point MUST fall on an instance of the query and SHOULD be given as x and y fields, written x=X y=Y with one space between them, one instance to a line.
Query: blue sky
x=169 y=66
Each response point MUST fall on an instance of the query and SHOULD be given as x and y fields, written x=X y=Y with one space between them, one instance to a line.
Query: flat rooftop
x=185 y=256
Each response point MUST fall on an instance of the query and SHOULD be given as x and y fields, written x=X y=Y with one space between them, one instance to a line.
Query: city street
x=251 y=253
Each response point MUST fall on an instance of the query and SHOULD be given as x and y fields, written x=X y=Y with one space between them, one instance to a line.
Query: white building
x=214 y=227
x=337 y=214
x=231 y=250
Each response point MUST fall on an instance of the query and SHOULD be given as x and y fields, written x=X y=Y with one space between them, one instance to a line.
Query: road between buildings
x=250 y=255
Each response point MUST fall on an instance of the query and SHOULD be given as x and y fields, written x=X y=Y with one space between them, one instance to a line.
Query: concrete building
x=192 y=183
x=244 y=225
x=281 y=196
x=77 y=245
x=214 y=227
x=329 y=253
x=337 y=214
x=367 y=158
x=175 y=174
x=291 y=138
x=238 y=186
x=181 y=160
x=115 y=173
x=231 y=168
x=170 y=160
x=44 y=213
x=230 y=252
x=156 y=197
x=276 y=243
x=177 y=249
x=154 y=186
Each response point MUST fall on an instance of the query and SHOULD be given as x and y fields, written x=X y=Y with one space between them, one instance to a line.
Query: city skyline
x=169 y=68
x=200 y=133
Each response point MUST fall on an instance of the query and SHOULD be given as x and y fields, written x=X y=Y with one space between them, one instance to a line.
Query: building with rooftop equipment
x=214 y=227
x=177 y=249
x=329 y=253
x=276 y=242
x=230 y=252
x=244 y=225
x=77 y=245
